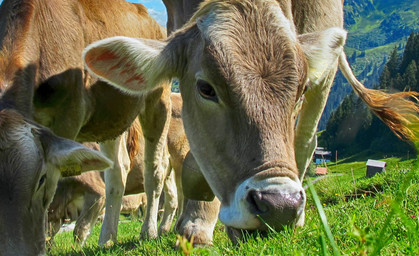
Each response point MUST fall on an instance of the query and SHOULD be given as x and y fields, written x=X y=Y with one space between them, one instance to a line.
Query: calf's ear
x=322 y=50
x=69 y=157
x=133 y=65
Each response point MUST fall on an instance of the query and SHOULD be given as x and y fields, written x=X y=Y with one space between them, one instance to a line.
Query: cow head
x=242 y=70
x=32 y=159
x=66 y=204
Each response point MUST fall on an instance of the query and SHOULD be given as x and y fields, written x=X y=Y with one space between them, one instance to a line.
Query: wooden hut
x=374 y=167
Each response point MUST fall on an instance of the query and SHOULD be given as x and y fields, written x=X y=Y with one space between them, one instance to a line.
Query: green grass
x=376 y=216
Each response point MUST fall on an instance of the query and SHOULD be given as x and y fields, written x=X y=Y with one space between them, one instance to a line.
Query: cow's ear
x=132 y=65
x=322 y=50
x=69 y=157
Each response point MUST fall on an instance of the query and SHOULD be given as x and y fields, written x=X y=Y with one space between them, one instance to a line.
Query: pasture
x=376 y=216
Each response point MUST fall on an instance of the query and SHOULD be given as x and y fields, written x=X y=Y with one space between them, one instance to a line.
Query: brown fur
x=89 y=187
x=41 y=45
x=233 y=60
x=9 y=121
x=256 y=85
x=28 y=37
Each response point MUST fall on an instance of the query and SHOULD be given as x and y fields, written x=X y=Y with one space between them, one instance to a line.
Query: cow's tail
x=399 y=111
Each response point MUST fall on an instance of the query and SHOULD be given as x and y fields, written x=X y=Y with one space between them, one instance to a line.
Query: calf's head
x=242 y=70
x=32 y=159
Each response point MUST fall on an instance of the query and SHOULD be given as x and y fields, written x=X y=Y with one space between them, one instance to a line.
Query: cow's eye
x=206 y=91
x=42 y=180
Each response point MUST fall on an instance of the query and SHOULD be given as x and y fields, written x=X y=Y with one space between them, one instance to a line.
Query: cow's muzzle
x=262 y=204
x=275 y=208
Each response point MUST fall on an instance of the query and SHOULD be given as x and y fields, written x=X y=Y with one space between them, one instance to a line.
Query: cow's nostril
x=255 y=198
x=276 y=208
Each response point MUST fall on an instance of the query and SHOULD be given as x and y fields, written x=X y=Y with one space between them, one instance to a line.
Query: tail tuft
x=399 y=111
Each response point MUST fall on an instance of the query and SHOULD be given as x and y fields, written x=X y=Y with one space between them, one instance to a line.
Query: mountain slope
x=374 y=27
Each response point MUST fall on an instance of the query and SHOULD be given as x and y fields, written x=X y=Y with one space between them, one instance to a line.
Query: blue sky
x=156 y=9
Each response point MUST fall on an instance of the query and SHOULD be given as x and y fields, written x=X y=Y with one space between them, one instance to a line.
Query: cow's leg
x=170 y=202
x=154 y=119
x=181 y=200
x=312 y=109
x=141 y=208
x=115 y=180
x=198 y=219
x=92 y=207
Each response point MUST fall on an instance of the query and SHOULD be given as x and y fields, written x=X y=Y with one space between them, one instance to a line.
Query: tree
x=385 y=79
x=393 y=63
x=410 y=53
x=409 y=77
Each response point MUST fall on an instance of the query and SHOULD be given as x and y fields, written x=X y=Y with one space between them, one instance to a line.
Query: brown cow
x=243 y=67
x=43 y=77
x=308 y=17
x=32 y=161
x=69 y=211
x=82 y=197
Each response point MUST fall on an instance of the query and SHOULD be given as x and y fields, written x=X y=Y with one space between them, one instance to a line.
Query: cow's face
x=240 y=88
x=242 y=72
x=32 y=159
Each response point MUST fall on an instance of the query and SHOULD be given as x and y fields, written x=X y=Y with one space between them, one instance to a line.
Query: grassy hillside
x=376 y=216
x=375 y=27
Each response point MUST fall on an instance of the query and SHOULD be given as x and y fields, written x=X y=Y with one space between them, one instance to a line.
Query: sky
x=155 y=8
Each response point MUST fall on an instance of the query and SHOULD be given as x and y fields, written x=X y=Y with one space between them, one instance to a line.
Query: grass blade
x=395 y=211
x=323 y=218
x=323 y=244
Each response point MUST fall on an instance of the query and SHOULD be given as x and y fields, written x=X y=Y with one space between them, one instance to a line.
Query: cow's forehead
x=253 y=50
x=13 y=128
x=217 y=17
x=20 y=158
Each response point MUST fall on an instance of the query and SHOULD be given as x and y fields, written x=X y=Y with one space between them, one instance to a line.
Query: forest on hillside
x=352 y=127
x=374 y=28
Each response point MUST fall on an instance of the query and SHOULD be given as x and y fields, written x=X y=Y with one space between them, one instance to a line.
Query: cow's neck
x=311 y=16
x=17 y=39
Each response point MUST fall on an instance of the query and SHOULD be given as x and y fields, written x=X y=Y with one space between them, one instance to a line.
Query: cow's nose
x=275 y=208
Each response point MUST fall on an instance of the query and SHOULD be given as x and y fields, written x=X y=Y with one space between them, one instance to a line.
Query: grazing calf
x=73 y=207
x=32 y=161
x=82 y=198
x=43 y=77
x=243 y=68
x=134 y=205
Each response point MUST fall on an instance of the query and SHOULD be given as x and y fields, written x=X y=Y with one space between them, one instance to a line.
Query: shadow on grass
x=133 y=246
x=369 y=154
x=117 y=249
